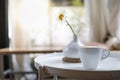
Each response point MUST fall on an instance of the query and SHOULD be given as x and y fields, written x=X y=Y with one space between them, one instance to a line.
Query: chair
x=77 y=74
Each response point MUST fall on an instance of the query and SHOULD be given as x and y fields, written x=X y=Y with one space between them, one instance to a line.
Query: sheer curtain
x=104 y=18
x=24 y=15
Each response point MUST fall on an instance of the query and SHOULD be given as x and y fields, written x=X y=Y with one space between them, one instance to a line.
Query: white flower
x=61 y=17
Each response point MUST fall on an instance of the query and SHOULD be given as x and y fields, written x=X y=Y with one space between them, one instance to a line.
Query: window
x=38 y=20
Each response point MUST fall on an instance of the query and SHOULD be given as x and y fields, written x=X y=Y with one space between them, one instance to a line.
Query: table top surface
x=112 y=63
x=30 y=50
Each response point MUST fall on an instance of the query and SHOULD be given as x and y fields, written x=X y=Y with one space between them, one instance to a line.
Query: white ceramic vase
x=72 y=49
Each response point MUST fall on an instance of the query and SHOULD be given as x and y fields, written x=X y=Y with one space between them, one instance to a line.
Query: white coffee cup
x=90 y=56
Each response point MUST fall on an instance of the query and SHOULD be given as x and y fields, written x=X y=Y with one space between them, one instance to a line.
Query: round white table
x=112 y=63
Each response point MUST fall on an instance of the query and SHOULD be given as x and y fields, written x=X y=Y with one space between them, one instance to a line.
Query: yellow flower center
x=60 y=17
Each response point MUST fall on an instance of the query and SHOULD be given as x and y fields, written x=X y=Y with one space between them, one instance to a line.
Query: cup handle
x=105 y=54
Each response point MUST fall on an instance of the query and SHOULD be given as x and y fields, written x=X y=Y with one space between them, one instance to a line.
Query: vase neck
x=75 y=37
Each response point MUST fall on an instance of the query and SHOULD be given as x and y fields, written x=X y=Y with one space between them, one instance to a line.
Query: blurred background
x=37 y=20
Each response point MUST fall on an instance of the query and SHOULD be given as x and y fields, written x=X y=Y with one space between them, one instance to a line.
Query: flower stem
x=70 y=26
